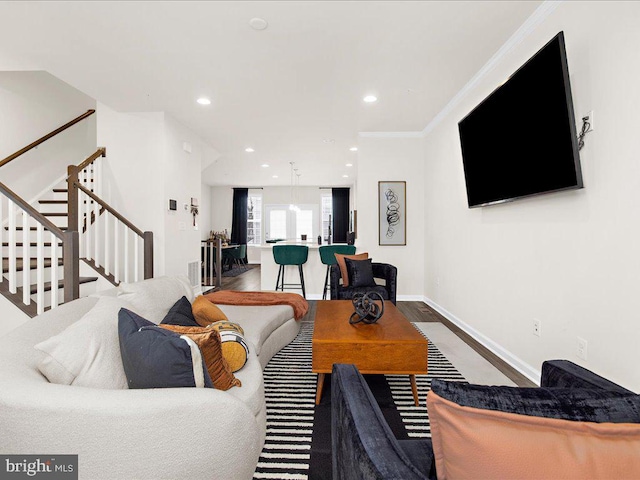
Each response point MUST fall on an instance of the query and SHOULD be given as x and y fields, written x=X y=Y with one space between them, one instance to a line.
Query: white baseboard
x=517 y=363
x=409 y=298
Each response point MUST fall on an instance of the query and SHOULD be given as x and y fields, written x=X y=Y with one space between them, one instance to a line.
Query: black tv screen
x=521 y=140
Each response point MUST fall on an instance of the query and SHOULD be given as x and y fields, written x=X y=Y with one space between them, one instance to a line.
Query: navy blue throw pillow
x=360 y=273
x=154 y=357
x=578 y=404
x=181 y=314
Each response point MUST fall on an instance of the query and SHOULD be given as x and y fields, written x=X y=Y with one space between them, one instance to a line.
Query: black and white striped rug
x=290 y=389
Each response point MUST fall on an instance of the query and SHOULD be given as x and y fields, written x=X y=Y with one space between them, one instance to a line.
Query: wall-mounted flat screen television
x=521 y=140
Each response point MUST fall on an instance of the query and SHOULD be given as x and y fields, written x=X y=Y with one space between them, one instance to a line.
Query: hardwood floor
x=414 y=311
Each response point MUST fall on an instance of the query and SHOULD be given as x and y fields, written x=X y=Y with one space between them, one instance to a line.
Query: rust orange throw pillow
x=206 y=312
x=343 y=265
x=208 y=340
x=472 y=443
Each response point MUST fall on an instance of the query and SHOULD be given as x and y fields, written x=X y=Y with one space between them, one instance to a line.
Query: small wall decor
x=194 y=210
x=392 y=213
x=173 y=205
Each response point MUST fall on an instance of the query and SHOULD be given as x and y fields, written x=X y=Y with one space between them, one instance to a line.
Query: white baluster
x=136 y=257
x=97 y=176
x=26 y=260
x=96 y=232
x=54 y=271
x=1 y=236
x=11 y=207
x=107 y=244
x=126 y=253
x=40 y=268
x=87 y=219
x=116 y=254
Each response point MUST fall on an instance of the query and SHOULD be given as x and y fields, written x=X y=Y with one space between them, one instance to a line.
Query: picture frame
x=392 y=213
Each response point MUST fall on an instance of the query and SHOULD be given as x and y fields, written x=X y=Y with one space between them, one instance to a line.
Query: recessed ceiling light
x=204 y=101
x=264 y=165
x=249 y=150
x=370 y=98
x=275 y=176
x=349 y=164
x=354 y=149
x=345 y=176
x=258 y=23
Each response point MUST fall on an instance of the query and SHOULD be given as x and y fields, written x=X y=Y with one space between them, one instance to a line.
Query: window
x=281 y=223
x=304 y=224
x=278 y=224
x=327 y=208
x=254 y=219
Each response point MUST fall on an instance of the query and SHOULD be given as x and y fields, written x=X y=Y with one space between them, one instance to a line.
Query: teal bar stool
x=290 y=255
x=328 y=257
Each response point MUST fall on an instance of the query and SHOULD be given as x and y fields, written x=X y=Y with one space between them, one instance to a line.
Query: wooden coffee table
x=391 y=346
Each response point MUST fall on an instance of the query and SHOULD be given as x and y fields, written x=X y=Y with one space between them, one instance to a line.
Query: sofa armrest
x=566 y=374
x=151 y=433
x=363 y=445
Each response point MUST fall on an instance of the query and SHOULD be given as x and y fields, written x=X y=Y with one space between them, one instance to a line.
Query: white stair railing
x=109 y=242
x=33 y=222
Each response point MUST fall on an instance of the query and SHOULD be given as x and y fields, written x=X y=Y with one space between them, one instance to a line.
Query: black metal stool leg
x=326 y=283
x=304 y=294
x=278 y=281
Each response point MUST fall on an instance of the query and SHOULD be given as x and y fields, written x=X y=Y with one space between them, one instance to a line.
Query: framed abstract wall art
x=392 y=213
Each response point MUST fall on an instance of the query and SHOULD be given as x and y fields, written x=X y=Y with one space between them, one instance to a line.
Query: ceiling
x=293 y=91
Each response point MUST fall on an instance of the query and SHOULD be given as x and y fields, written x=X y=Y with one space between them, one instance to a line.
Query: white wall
x=569 y=259
x=182 y=180
x=134 y=182
x=391 y=159
x=32 y=105
x=146 y=166
x=221 y=208
x=206 y=213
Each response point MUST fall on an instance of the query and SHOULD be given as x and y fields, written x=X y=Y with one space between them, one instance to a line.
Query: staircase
x=42 y=245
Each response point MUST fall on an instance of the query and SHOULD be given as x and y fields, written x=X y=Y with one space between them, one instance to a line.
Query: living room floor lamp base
x=392 y=213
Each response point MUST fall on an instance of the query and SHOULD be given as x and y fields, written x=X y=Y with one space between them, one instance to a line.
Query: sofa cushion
x=476 y=443
x=343 y=265
x=180 y=314
x=210 y=345
x=360 y=273
x=258 y=322
x=205 y=312
x=87 y=352
x=154 y=297
x=591 y=405
x=154 y=357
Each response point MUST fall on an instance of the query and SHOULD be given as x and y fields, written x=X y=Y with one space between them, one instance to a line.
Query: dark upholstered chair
x=364 y=447
x=382 y=271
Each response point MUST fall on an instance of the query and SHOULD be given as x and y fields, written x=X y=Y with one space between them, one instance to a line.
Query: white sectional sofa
x=195 y=433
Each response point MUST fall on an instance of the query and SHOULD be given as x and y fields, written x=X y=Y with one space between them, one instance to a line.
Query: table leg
x=319 y=388
x=414 y=389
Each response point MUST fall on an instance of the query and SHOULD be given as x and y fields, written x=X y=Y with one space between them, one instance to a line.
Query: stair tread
x=33 y=264
x=32 y=244
x=47 y=285
x=53 y=202
x=54 y=214
x=33 y=229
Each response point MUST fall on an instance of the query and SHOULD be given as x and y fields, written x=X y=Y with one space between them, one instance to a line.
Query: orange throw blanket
x=234 y=297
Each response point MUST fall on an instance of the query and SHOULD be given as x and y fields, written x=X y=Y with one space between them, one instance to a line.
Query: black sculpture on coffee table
x=366 y=308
